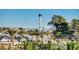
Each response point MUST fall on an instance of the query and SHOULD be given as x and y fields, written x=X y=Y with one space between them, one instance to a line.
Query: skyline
x=28 y=18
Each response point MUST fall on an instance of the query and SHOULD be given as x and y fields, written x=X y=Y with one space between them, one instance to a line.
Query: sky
x=28 y=18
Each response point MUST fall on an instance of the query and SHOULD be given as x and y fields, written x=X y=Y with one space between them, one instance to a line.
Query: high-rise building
x=40 y=22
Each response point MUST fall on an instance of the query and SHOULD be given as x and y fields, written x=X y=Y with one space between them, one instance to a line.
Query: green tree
x=75 y=27
x=61 y=25
x=75 y=24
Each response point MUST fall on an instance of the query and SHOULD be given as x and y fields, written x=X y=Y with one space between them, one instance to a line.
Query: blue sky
x=28 y=18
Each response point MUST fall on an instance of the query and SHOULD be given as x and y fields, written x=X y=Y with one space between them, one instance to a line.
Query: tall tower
x=40 y=22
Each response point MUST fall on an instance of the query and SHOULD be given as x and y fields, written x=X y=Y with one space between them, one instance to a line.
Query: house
x=34 y=37
x=5 y=37
x=17 y=37
x=45 y=39
x=27 y=36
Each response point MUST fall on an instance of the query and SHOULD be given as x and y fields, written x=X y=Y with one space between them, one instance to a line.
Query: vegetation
x=29 y=45
x=65 y=36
